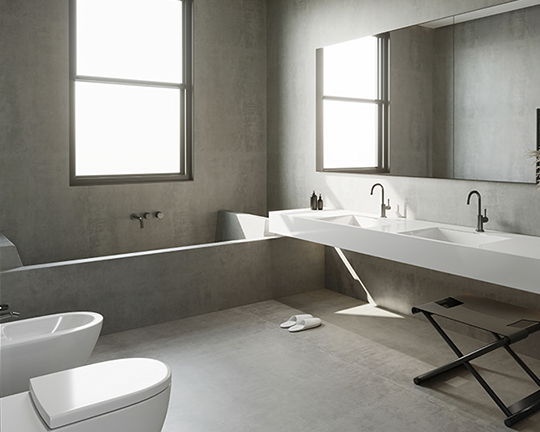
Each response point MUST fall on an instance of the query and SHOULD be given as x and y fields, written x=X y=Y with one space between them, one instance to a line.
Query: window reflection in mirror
x=352 y=106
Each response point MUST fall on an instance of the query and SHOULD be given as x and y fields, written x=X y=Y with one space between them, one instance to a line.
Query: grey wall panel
x=50 y=221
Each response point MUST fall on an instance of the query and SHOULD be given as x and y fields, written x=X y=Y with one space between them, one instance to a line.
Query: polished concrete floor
x=237 y=370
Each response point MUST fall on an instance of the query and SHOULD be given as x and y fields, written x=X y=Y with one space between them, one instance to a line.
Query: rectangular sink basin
x=355 y=220
x=455 y=236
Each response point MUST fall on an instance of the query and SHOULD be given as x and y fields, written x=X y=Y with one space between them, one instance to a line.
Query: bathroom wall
x=399 y=287
x=295 y=30
x=50 y=221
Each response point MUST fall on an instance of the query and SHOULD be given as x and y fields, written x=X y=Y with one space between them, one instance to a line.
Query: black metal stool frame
x=519 y=410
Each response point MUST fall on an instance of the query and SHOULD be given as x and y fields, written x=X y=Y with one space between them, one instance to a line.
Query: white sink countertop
x=501 y=258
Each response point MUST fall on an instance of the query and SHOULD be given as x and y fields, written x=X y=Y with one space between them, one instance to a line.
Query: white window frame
x=186 y=106
x=383 y=108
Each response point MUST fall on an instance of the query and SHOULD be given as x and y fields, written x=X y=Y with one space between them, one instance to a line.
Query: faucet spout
x=384 y=207
x=6 y=314
x=139 y=218
x=481 y=220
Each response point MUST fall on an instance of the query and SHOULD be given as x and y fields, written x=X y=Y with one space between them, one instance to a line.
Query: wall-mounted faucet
x=481 y=220
x=141 y=217
x=384 y=207
x=6 y=314
x=146 y=215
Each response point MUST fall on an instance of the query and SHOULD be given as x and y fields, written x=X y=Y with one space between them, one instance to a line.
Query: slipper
x=305 y=324
x=294 y=320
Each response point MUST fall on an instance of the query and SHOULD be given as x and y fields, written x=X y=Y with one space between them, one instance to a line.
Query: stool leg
x=465 y=361
x=519 y=361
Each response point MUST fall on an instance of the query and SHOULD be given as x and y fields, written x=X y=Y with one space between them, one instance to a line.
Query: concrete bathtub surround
x=9 y=257
x=139 y=289
x=144 y=288
x=236 y=226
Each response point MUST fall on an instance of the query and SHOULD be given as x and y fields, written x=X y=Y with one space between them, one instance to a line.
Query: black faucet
x=384 y=207
x=144 y=216
x=139 y=218
x=6 y=314
x=481 y=220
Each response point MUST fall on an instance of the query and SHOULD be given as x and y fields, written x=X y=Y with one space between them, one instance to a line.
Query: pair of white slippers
x=298 y=323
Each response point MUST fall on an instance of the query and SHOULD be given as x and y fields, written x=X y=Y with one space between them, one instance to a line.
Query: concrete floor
x=237 y=370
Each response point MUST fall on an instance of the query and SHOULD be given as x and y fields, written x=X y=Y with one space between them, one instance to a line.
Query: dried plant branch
x=536 y=154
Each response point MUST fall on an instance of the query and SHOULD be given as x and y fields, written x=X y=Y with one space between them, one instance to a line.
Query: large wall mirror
x=463 y=97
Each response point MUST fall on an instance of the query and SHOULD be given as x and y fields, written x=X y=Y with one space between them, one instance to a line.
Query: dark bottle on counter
x=320 y=203
x=313 y=201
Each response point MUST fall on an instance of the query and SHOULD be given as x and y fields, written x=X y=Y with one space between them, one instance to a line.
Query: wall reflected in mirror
x=463 y=97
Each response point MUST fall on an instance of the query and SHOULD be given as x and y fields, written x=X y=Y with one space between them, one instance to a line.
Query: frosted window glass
x=130 y=39
x=350 y=135
x=123 y=129
x=350 y=69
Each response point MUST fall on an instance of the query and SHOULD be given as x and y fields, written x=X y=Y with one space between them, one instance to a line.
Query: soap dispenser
x=320 y=203
x=313 y=201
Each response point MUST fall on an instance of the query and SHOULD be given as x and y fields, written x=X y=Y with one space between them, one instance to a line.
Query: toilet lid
x=76 y=394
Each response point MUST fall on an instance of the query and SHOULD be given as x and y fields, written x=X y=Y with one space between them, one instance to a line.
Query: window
x=352 y=106
x=131 y=92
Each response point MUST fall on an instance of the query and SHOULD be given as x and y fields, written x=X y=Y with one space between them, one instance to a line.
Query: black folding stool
x=507 y=323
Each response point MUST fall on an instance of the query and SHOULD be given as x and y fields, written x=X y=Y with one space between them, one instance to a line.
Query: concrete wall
x=50 y=221
x=399 y=287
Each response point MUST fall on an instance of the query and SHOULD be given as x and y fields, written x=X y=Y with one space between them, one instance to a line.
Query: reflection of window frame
x=382 y=102
x=186 y=103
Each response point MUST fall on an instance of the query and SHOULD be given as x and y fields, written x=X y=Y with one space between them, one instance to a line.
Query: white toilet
x=118 y=395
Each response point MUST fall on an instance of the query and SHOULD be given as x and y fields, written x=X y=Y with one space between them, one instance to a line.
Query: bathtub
x=43 y=345
x=245 y=265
